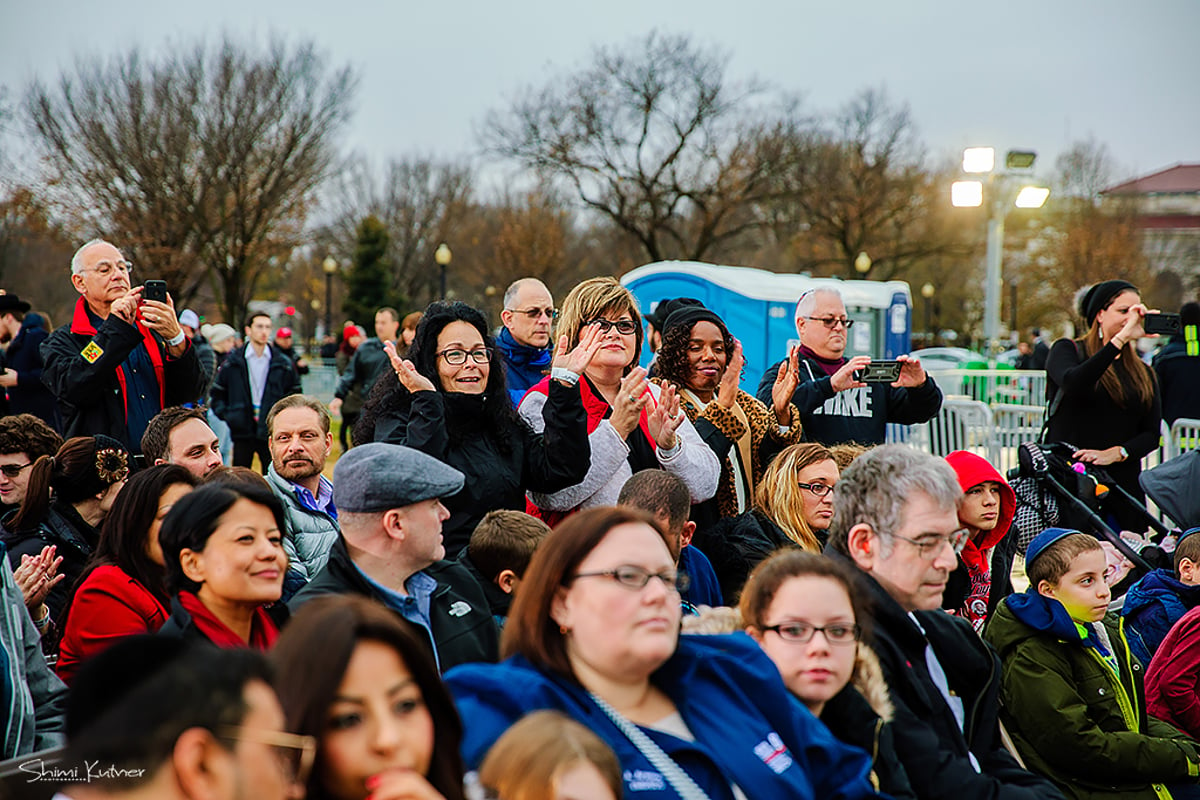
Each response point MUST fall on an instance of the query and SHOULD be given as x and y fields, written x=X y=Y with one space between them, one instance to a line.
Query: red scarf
x=82 y=324
x=263 y=632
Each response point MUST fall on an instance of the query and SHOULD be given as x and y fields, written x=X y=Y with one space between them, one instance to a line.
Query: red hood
x=973 y=470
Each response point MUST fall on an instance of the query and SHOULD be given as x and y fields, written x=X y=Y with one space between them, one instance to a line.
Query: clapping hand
x=37 y=575
x=665 y=418
x=785 y=386
x=631 y=398
x=406 y=373
x=727 y=389
x=577 y=360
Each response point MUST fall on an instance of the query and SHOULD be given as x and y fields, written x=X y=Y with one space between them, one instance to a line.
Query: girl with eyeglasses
x=448 y=399
x=793 y=507
x=632 y=424
x=594 y=633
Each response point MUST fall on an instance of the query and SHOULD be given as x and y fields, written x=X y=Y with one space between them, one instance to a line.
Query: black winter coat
x=498 y=473
x=735 y=546
x=30 y=395
x=233 y=402
x=91 y=395
x=934 y=751
x=460 y=635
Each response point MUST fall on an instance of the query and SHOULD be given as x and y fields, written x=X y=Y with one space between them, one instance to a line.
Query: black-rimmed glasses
x=832 y=322
x=802 y=632
x=637 y=578
x=457 y=357
x=818 y=489
x=625 y=326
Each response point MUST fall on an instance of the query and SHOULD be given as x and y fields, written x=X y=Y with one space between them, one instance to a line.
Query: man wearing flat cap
x=390 y=549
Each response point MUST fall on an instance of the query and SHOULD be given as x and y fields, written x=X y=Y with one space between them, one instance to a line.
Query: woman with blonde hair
x=793 y=507
x=632 y=424
x=549 y=756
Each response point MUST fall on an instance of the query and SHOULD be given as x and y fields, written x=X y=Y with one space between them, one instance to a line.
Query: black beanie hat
x=1097 y=298
x=658 y=317
x=688 y=316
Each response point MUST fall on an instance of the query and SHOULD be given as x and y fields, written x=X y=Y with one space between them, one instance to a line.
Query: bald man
x=524 y=341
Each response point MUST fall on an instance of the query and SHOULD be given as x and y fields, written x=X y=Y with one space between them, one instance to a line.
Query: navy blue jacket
x=524 y=366
x=231 y=398
x=749 y=729
x=30 y=395
x=704 y=588
x=1152 y=606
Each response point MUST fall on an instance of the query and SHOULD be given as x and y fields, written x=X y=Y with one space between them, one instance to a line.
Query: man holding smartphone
x=124 y=356
x=835 y=405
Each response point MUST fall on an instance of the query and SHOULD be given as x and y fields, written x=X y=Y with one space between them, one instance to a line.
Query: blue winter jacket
x=749 y=729
x=524 y=366
x=1152 y=606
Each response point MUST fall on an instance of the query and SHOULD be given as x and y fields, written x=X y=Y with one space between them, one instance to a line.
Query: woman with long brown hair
x=1103 y=398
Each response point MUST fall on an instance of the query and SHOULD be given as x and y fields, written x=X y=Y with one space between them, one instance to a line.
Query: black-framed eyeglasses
x=106 y=268
x=625 y=326
x=818 y=489
x=295 y=753
x=637 y=578
x=930 y=544
x=13 y=470
x=455 y=357
x=802 y=632
x=534 y=314
x=832 y=322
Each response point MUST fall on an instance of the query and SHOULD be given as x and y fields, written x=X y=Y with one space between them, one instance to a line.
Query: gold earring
x=564 y=630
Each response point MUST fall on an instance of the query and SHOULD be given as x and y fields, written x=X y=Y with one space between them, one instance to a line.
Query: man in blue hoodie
x=524 y=341
x=1162 y=597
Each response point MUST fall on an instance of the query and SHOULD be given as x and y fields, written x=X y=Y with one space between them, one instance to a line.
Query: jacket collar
x=81 y=323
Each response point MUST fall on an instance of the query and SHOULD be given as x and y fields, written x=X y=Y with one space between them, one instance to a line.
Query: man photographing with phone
x=124 y=356
x=835 y=405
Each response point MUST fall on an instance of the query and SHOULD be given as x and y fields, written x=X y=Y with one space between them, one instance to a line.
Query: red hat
x=283 y=333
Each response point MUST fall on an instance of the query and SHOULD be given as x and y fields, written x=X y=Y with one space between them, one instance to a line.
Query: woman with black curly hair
x=449 y=401
x=704 y=362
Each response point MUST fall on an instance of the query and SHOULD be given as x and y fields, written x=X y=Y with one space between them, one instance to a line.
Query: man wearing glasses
x=834 y=406
x=896 y=520
x=123 y=358
x=524 y=341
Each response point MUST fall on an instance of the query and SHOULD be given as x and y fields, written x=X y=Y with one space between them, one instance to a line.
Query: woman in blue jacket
x=595 y=634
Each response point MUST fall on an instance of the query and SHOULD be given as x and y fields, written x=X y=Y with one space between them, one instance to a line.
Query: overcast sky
x=1015 y=74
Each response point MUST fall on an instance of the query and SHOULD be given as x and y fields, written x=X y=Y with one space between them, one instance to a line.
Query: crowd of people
x=538 y=569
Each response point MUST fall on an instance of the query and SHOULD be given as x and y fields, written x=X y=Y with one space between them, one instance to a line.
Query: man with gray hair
x=524 y=341
x=390 y=549
x=123 y=358
x=835 y=406
x=896 y=521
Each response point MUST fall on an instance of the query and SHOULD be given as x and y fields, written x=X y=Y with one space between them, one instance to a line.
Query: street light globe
x=979 y=159
x=330 y=265
x=442 y=255
x=862 y=263
x=928 y=290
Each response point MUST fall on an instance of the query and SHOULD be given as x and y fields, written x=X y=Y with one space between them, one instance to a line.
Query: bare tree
x=201 y=163
x=651 y=137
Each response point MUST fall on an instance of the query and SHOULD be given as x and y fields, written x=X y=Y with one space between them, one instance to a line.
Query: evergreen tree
x=369 y=281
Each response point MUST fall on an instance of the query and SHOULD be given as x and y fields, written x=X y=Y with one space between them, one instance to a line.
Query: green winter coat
x=1071 y=718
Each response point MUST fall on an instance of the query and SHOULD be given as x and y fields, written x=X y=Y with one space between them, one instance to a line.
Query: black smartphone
x=156 y=291
x=1161 y=323
x=879 y=372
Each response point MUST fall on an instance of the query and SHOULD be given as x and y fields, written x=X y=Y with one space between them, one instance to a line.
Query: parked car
x=988 y=388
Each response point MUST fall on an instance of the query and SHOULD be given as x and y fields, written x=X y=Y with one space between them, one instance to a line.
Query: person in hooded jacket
x=986 y=510
x=1160 y=599
x=22 y=374
x=1177 y=365
x=449 y=401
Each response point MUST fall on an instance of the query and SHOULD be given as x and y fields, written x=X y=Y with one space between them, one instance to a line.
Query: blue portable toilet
x=759 y=308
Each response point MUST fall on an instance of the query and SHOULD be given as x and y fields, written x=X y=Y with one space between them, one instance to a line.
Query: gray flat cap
x=379 y=476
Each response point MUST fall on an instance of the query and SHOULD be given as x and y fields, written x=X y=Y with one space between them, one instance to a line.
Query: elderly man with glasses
x=524 y=341
x=123 y=358
x=835 y=406
x=896 y=521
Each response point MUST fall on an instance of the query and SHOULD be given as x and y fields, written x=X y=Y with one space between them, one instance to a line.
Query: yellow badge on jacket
x=92 y=352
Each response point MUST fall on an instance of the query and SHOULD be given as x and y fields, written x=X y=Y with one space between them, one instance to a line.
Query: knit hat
x=1097 y=298
x=189 y=318
x=688 y=316
x=658 y=317
x=1044 y=540
x=219 y=333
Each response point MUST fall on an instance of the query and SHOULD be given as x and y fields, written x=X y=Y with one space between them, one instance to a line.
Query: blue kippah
x=1043 y=540
x=1184 y=535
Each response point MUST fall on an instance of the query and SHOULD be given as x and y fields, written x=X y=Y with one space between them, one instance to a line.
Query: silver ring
x=632 y=399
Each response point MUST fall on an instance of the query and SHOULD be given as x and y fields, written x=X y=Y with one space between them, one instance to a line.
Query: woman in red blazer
x=121 y=592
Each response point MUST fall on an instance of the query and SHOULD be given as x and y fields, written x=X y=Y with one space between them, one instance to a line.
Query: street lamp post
x=1002 y=196
x=927 y=291
x=330 y=265
x=442 y=256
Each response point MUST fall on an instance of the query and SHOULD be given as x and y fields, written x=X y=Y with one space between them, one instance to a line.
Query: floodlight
x=1020 y=159
x=979 y=159
x=1032 y=197
x=966 y=194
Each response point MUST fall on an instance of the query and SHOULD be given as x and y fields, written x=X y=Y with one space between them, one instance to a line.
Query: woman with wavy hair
x=1102 y=397
x=793 y=507
x=448 y=400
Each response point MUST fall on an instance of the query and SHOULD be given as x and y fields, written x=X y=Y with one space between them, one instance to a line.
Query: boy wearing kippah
x=1162 y=597
x=1072 y=695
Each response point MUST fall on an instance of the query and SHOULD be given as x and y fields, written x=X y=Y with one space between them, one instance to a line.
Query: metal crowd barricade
x=320 y=381
x=1183 y=435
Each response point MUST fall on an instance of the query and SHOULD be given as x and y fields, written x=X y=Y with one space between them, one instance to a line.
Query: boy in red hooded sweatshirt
x=986 y=510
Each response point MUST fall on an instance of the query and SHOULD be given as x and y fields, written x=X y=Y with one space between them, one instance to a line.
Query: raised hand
x=630 y=400
x=727 y=389
x=666 y=417
x=577 y=360
x=406 y=373
x=911 y=372
x=37 y=575
x=785 y=386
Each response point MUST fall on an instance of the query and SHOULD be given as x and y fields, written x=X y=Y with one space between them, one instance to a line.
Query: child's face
x=979 y=508
x=1082 y=591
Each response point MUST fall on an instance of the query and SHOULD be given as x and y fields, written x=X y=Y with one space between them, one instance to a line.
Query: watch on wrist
x=1124 y=453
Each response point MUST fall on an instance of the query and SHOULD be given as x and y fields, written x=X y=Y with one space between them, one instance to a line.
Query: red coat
x=109 y=606
x=1174 y=674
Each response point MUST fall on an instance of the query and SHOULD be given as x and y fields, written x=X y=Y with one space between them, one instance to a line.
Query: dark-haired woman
x=361 y=680
x=1103 y=398
x=85 y=476
x=704 y=362
x=449 y=401
x=223 y=550
x=123 y=590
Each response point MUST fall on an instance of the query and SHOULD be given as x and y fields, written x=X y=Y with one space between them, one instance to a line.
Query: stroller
x=1054 y=490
